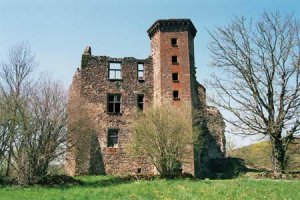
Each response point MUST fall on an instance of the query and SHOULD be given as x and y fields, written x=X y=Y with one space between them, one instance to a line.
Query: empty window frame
x=115 y=71
x=114 y=103
x=176 y=95
x=174 y=42
x=140 y=102
x=140 y=71
x=175 y=77
x=139 y=170
x=112 y=138
x=174 y=60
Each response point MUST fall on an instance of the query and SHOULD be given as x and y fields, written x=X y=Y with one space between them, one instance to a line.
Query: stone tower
x=172 y=45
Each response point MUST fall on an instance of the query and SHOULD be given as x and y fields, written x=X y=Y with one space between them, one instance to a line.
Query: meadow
x=108 y=187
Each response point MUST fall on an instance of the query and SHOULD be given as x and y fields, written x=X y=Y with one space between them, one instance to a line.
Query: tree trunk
x=278 y=157
x=9 y=160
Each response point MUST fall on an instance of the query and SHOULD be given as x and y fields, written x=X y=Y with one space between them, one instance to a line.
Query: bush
x=5 y=180
x=48 y=180
x=61 y=180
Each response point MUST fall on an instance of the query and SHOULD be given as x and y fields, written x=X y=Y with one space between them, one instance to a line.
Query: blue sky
x=59 y=30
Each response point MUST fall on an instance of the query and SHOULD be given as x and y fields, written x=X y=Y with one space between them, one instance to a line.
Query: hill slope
x=259 y=155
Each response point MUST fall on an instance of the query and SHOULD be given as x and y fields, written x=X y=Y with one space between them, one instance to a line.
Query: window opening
x=114 y=71
x=174 y=42
x=175 y=77
x=140 y=71
x=112 y=138
x=114 y=103
x=140 y=102
x=175 y=94
x=174 y=60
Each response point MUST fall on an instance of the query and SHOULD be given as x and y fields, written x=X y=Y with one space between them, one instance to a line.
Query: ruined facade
x=107 y=93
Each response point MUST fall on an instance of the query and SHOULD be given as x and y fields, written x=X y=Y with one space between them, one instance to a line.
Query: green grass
x=259 y=155
x=104 y=187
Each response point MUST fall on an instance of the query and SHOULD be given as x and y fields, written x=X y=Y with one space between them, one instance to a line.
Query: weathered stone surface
x=216 y=127
x=89 y=121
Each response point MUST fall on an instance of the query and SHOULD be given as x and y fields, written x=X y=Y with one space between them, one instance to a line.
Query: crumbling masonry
x=106 y=94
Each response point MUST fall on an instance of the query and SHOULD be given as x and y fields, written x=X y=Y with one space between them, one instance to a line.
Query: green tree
x=163 y=135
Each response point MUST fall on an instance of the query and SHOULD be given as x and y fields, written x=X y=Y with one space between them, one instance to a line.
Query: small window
x=174 y=42
x=176 y=95
x=115 y=71
x=112 y=138
x=140 y=102
x=114 y=103
x=139 y=171
x=140 y=71
x=174 y=60
x=175 y=77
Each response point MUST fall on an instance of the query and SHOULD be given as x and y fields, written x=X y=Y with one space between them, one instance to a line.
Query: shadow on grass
x=225 y=168
x=97 y=181
x=229 y=168
x=67 y=182
x=63 y=182
x=45 y=181
x=113 y=181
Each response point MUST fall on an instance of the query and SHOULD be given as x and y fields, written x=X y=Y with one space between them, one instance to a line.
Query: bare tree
x=4 y=134
x=32 y=117
x=14 y=76
x=259 y=81
x=162 y=135
x=43 y=133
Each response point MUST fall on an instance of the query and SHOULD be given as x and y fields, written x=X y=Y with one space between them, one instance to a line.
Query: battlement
x=172 y=25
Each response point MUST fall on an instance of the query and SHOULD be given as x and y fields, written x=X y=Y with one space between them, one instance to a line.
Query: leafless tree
x=32 y=117
x=14 y=76
x=4 y=134
x=43 y=133
x=162 y=135
x=259 y=78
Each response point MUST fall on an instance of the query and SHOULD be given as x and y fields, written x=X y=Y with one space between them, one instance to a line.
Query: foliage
x=105 y=187
x=260 y=79
x=162 y=134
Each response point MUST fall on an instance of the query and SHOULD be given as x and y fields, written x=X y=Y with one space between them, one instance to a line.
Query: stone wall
x=89 y=120
x=215 y=125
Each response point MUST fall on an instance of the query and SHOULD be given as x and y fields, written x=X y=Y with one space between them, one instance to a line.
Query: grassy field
x=104 y=187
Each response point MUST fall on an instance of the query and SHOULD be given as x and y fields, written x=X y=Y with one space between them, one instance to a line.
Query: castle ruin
x=107 y=93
